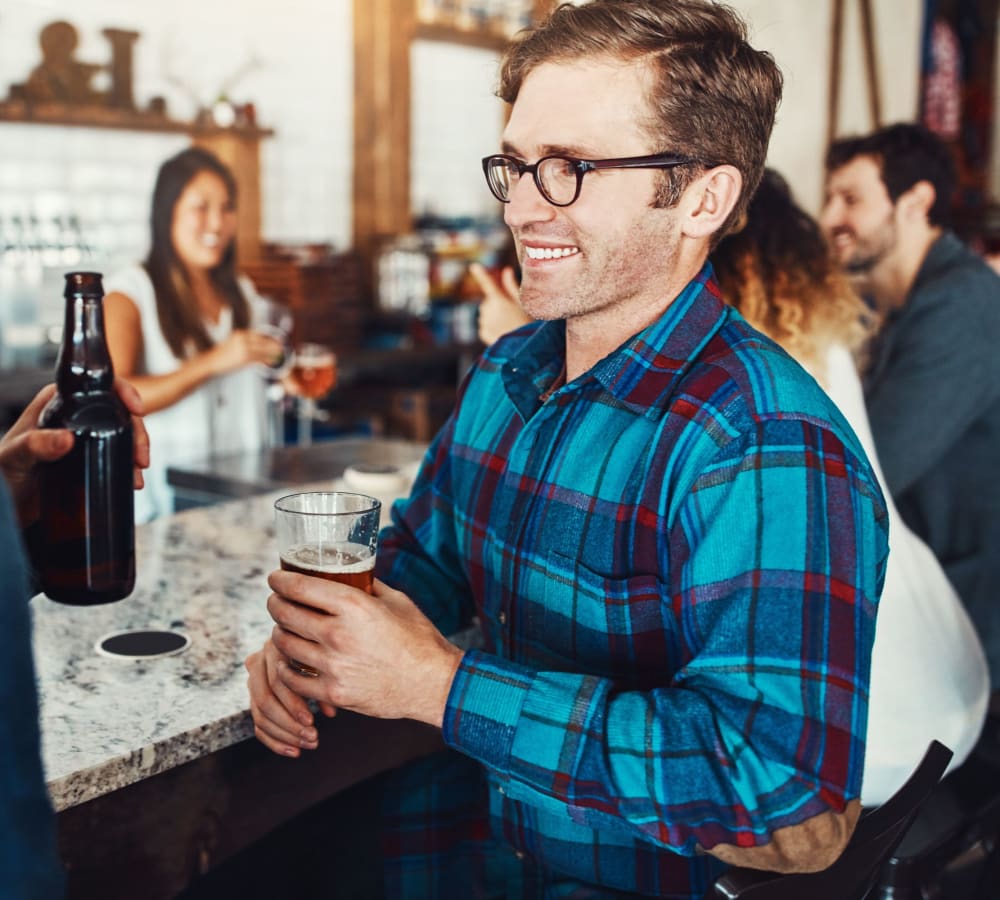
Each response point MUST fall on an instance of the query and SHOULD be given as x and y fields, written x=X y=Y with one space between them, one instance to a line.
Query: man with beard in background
x=932 y=385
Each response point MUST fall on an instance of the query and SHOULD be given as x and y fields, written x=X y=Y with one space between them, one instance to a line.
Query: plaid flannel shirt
x=675 y=561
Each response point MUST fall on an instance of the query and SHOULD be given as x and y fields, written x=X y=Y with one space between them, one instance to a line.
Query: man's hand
x=26 y=445
x=377 y=655
x=281 y=718
x=500 y=310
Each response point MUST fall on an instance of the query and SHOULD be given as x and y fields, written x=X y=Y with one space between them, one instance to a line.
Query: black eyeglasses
x=559 y=178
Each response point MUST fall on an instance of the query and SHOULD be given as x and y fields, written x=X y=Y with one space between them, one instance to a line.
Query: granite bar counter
x=108 y=722
x=151 y=764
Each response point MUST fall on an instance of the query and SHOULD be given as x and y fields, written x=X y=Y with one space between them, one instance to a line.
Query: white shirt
x=929 y=675
x=224 y=415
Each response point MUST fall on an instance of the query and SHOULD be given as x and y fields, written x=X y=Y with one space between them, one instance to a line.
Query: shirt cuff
x=484 y=706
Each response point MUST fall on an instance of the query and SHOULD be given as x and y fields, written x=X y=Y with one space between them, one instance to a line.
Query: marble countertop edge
x=87 y=784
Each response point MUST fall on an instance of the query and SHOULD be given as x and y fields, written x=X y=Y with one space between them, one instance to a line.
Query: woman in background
x=929 y=677
x=179 y=327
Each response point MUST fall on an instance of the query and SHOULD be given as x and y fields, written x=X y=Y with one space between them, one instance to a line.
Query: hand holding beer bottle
x=25 y=445
x=86 y=527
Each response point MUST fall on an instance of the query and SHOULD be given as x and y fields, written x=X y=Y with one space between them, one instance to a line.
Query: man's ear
x=708 y=201
x=916 y=203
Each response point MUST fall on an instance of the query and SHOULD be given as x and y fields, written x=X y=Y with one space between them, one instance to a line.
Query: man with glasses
x=673 y=544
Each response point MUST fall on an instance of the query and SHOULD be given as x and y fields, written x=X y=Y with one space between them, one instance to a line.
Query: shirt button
x=501 y=791
x=519 y=854
x=502 y=618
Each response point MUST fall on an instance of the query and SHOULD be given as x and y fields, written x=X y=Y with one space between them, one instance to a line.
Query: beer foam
x=342 y=558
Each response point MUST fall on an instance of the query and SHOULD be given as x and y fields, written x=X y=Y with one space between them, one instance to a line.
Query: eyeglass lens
x=555 y=177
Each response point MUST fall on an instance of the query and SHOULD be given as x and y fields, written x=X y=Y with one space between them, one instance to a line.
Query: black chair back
x=855 y=872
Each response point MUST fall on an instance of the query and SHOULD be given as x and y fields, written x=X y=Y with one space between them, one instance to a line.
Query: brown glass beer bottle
x=87 y=527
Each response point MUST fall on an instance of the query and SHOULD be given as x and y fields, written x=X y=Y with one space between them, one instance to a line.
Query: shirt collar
x=642 y=372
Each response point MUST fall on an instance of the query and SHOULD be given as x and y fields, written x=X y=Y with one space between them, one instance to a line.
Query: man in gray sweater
x=932 y=384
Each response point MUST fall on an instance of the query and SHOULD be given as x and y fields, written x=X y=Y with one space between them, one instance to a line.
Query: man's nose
x=527 y=204
x=830 y=215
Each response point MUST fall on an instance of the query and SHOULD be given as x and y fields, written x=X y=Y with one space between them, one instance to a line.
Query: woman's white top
x=929 y=676
x=224 y=415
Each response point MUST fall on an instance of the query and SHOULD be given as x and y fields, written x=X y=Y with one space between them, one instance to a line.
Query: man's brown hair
x=713 y=99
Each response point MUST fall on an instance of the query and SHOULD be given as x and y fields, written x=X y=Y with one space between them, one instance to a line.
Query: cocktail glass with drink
x=331 y=535
x=313 y=374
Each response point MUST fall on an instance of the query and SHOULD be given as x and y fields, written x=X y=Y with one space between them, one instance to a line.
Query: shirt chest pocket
x=616 y=627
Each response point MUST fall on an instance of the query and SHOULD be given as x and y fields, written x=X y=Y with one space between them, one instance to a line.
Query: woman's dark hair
x=180 y=319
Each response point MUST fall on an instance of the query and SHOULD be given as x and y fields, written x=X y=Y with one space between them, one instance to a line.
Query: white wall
x=303 y=88
x=455 y=118
x=797 y=34
x=456 y=121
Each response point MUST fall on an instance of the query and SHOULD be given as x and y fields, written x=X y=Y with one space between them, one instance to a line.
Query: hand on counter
x=379 y=656
x=26 y=445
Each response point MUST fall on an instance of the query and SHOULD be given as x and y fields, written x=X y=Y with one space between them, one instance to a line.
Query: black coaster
x=140 y=643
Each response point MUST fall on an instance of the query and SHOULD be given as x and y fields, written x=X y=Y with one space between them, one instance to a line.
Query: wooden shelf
x=485 y=38
x=109 y=117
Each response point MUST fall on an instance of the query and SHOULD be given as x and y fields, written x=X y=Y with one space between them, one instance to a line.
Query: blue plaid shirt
x=675 y=561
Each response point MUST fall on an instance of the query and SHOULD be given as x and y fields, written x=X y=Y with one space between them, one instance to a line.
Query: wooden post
x=836 y=49
x=383 y=30
x=871 y=63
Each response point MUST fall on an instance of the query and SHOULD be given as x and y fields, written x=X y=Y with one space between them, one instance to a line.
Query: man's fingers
x=129 y=396
x=140 y=438
x=508 y=280
x=282 y=716
x=271 y=716
x=34 y=409
x=317 y=594
x=43 y=445
x=274 y=744
x=140 y=443
x=482 y=278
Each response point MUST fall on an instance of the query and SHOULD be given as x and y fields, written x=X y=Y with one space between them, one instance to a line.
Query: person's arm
x=753 y=751
x=942 y=375
x=29 y=863
x=124 y=332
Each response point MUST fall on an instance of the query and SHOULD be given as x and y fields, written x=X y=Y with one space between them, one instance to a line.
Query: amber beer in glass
x=314 y=371
x=331 y=535
x=87 y=524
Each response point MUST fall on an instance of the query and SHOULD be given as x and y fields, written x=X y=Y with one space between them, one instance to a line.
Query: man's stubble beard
x=616 y=283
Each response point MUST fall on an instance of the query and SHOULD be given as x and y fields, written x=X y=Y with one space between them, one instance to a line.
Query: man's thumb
x=45 y=445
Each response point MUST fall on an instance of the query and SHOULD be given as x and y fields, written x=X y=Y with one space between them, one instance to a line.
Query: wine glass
x=312 y=375
x=274 y=320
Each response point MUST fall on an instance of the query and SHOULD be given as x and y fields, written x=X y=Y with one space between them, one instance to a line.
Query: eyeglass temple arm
x=657 y=160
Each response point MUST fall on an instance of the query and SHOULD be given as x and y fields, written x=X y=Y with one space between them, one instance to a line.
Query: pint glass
x=331 y=535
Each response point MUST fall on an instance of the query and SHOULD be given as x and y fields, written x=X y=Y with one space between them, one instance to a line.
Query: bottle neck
x=84 y=362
